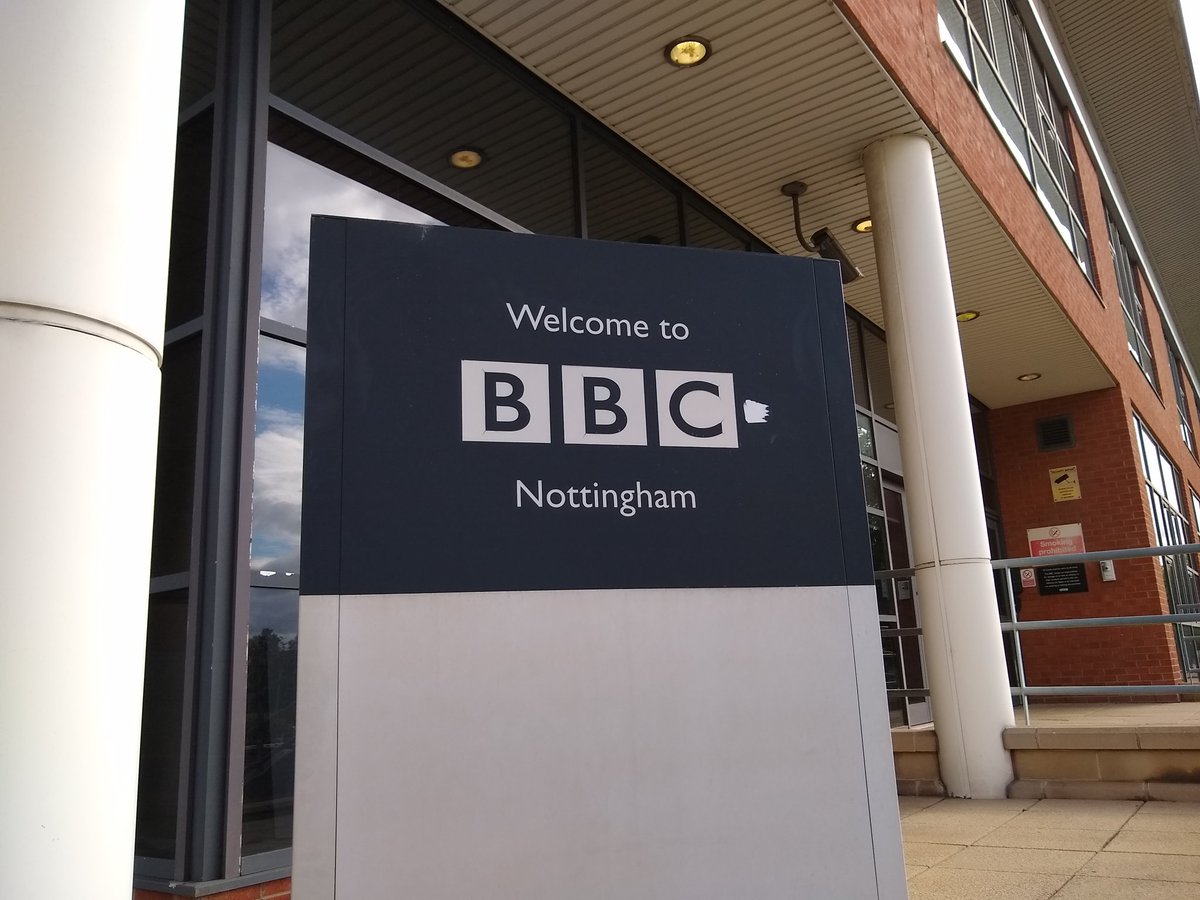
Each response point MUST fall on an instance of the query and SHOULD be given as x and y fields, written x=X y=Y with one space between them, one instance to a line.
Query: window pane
x=386 y=74
x=624 y=203
x=296 y=190
x=866 y=436
x=858 y=368
x=270 y=761
x=704 y=232
x=956 y=30
x=879 y=547
x=871 y=486
x=278 y=459
x=882 y=402
x=162 y=725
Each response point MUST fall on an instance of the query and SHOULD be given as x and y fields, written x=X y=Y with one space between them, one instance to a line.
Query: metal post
x=1012 y=612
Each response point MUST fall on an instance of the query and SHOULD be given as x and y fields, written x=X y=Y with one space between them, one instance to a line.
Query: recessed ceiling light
x=687 y=51
x=889 y=405
x=967 y=315
x=1029 y=376
x=862 y=226
x=466 y=158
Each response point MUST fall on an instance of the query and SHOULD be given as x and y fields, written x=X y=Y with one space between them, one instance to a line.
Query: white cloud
x=297 y=189
x=280 y=355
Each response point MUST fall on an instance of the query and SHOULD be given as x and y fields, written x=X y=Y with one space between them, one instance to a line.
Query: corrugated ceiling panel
x=790 y=93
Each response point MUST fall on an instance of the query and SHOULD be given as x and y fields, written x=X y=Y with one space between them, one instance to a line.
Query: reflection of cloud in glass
x=297 y=189
x=278 y=457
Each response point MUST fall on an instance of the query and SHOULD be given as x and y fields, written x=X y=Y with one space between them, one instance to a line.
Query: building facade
x=1052 y=172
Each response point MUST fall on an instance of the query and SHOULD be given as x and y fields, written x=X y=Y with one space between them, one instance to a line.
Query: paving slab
x=964 y=833
x=910 y=805
x=971 y=884
x=1012 y=859
x=1184 y=843
x=1165 y=808
x=1033 y=837
x=926 y=855
x=1152 y=866
x=1096 y=814
x=1087 y=887
x=1157 y=821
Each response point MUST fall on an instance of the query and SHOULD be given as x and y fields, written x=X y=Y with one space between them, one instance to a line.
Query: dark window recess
x=162 y=725
x=189 y=221
x=1055 y=434
x=177 y=435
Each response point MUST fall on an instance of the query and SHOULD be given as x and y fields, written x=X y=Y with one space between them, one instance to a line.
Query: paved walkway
x=1038 y=849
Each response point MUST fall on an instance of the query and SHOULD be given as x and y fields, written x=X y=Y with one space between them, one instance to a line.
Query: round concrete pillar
x=89 y=92
x=963 y=649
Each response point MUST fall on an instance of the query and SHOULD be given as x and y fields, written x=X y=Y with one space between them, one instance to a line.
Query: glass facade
x=988 y=41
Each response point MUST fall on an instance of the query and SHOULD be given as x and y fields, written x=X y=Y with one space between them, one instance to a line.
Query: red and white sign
x=1028 y=578
x=1056 y=540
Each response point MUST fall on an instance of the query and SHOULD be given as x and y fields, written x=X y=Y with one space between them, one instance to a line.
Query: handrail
x=1023 y=562
x=1015 y=627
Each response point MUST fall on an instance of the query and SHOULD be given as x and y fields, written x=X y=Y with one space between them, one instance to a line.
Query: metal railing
x=1181 y=578
x=1183 y=590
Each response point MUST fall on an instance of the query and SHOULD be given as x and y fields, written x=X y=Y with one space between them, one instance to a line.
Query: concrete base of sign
x=594 y=744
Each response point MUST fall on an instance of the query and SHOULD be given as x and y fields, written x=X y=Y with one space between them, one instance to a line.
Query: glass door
x=899 y=618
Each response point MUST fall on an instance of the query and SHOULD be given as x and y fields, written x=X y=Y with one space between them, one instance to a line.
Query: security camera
x=829 y=248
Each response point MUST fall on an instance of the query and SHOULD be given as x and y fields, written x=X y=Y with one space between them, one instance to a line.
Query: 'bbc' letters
x=510 y=402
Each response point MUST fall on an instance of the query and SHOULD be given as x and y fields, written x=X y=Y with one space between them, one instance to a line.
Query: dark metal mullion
x=681 y=211
x=282 y=331
x=185 y=330
x=221 y=590
x=579 y=181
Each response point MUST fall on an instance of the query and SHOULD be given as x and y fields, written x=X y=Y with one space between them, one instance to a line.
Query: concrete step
x=1132 y=762
x=1119 y=762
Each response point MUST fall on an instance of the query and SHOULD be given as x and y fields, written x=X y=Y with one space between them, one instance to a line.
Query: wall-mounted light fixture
x=466 y=158
x=688 y=51
x=823 y=242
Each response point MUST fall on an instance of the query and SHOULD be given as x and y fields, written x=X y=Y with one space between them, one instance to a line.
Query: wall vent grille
x=1055 y=434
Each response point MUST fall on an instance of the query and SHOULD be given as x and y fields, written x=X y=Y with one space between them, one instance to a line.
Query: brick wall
x=280 y=889
x=1114 y=513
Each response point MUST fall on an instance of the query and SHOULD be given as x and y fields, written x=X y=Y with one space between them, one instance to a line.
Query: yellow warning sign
x=1064 y=483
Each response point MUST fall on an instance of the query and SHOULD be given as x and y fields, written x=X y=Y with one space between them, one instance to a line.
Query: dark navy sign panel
x=489 y=411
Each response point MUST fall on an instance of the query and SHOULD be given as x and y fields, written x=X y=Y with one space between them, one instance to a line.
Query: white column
x=89 y=93
x=963 y=649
